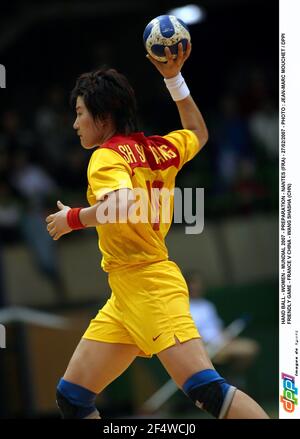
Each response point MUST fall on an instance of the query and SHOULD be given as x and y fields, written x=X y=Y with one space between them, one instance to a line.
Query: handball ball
x=162 y=31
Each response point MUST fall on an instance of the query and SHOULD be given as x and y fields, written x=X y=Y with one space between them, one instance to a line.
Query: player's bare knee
x=210 y=392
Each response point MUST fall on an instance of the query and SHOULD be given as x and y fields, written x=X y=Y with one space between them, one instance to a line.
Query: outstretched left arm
x=58 y=224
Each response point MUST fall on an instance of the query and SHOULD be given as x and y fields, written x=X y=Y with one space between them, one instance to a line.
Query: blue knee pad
x=210 y=392
x=74 y=401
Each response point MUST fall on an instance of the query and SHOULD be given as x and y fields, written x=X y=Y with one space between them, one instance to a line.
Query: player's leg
x=190 y=367
x=93 y=366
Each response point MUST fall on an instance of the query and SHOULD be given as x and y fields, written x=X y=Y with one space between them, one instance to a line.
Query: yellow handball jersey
x=148 y=165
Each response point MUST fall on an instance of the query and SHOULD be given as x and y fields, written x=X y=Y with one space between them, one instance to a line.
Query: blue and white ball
x=162 y=31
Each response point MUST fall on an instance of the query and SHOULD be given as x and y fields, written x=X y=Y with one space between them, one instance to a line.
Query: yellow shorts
x=149 y=307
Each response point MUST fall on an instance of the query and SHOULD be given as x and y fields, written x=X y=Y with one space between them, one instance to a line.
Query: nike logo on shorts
x=155 y=338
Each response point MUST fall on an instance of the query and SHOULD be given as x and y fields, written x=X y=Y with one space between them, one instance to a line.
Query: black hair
x=107 y=92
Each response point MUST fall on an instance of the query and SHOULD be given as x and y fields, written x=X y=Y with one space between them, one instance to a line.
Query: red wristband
x=73 y=218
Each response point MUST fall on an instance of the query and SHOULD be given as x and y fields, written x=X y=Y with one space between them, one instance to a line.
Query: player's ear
x=102 y=120
x=107 y=121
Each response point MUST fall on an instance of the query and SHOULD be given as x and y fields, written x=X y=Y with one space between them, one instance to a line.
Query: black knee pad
x=210 y=398
x=67 y=409
x=75 y=401
x=210 y=392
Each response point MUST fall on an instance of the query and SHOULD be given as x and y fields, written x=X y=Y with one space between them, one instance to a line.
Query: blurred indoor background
x=49 y=291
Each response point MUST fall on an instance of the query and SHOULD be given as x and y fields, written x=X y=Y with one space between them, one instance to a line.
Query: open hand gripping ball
x=162 y=31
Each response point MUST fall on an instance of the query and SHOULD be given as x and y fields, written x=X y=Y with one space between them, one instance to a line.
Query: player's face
x=91 y=132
